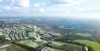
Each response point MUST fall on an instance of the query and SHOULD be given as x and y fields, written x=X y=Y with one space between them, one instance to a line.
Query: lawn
x=28 y=43
x=31 y=43
x=94 y=45
x=84 y=34
x=67 y=46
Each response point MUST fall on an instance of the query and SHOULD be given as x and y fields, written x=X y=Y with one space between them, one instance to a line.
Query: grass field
x=67 y=46
x=84 y=34
x=31 y=43
x=94 y=45
x=28 y=43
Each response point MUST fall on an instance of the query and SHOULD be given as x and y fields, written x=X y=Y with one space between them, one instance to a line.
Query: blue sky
x=65 y=8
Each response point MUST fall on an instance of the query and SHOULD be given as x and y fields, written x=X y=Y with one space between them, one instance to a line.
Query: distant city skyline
x=67 y=8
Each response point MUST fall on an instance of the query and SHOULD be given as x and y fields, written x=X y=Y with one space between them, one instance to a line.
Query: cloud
x=20 y=3
x=0 y=11
x=59 y=5
x=89 y=6
x=40 y=6
x=24 y=3
x=66 y=2
x=1 y=0
x=14 y=6
x=15 y=3
x=51 y=7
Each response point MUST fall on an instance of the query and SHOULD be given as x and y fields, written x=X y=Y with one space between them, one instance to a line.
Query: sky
x=59 y=8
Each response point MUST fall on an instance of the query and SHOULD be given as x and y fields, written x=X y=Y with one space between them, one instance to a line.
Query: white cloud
x=0 y=10
x=78 y=8
x=1 y=0
x=72 y=2
x=14 y=3
x=57 y=5
x=20 y=3
x=7 y=7
x=24 y=3
x=89 y=6
x=40 y=7
x=43 y=4
x=36 y=5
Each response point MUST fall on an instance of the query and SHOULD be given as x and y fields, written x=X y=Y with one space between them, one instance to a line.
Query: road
x=44 y=49
x=86 y=48
x=3 y=47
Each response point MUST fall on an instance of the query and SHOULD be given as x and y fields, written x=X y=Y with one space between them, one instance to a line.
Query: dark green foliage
x=90 y=48
x=26 y=47
x=68 y=38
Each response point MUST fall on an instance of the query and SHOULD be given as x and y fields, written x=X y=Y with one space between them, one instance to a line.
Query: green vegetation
x=31 y=43
x=84 y=34
x=65 y=46
x=60 y=34
x=14 y=47
x=28 y=43
x=94 y=45
x=40 y=43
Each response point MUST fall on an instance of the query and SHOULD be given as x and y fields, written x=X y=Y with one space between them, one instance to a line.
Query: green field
x=94 y=45
x=84 y=34
x=31 y=43
x=66 y=46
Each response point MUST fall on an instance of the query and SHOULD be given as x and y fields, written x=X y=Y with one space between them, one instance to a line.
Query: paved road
x=44 y=49
x=3 y=47
x=86 y=48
